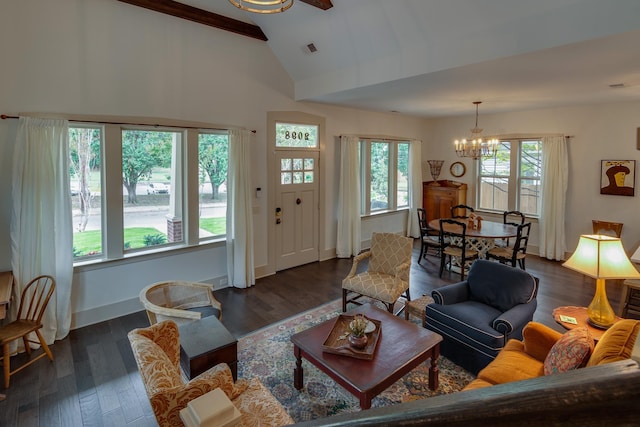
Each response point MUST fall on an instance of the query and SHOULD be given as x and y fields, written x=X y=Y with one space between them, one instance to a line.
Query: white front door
x=296 y=208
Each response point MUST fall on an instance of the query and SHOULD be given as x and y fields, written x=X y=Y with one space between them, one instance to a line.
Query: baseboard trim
x=105 y=312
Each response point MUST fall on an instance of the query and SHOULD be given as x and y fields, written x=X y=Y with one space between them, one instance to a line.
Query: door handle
x=298 y=201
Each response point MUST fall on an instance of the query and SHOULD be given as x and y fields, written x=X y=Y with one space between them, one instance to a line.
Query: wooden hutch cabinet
x=439 y=196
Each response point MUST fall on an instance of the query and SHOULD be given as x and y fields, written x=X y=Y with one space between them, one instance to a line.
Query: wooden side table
x=6 y=283
x=630 y=298
x=205 y=343
x=580 y=314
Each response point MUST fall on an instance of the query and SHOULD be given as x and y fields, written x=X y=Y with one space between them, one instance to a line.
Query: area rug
x=268 y=355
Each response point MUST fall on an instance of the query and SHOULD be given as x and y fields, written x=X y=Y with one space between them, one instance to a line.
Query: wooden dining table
x=480 y=239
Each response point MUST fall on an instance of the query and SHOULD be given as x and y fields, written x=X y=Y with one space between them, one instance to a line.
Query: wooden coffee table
x=401 y=347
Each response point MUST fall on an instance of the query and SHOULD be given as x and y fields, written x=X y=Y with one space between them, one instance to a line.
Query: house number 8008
x=298 y=135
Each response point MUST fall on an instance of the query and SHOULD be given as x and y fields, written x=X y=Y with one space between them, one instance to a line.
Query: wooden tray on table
x=338 y=340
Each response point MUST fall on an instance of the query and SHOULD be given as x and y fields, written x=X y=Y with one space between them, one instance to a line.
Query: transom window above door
x=291 y=135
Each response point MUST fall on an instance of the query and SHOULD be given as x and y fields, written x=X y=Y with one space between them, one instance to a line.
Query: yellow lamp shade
x=601 y=257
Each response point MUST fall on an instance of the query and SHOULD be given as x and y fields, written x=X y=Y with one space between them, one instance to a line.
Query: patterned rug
x=268 y=355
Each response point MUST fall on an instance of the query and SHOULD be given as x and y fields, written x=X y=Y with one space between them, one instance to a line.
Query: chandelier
x=263 y=6
x=475 y=146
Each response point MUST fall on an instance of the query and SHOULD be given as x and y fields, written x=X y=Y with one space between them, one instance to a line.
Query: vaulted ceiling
x=433 y=58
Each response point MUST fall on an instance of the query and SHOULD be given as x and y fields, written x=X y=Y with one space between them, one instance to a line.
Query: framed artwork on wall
x=617 y=177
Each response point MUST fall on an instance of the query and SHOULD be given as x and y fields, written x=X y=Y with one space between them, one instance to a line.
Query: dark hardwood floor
x=94 y=380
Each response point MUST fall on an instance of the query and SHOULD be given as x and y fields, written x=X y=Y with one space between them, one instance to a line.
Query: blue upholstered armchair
x=477 y=316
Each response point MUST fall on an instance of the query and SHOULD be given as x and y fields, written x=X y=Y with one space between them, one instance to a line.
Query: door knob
x=298 y=201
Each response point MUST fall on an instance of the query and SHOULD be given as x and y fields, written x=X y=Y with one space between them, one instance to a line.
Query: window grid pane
x=85 y=188
x=494 y=193
x=308 y=164
x=147 y=158
x=498 y=165
x=529 y=196
x=379 y=185
x=213 y=161
x=402 y=176
x=285 y=164
x=285 y=178
x=530 y=159
x=308 y=177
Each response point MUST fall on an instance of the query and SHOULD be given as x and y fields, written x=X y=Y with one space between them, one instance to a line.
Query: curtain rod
x=5 y=116
x=381 y=138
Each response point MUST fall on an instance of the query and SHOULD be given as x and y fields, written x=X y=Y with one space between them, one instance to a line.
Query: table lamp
x=601 y=257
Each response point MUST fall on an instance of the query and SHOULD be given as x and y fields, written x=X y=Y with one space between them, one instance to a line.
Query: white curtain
x=239 y=211
x=415 y=187
x=41 y=223
x=555 y=179
x=349 y=237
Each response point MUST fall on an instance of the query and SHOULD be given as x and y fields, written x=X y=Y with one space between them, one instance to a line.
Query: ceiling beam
x=204 y=17
x=322 y=4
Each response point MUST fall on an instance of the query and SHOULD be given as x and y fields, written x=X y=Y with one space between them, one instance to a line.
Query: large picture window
x=150 y=173
x=510 y=180
x=384 y=180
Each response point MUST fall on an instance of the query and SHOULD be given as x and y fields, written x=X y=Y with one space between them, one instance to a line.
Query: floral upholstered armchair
x=157 y=352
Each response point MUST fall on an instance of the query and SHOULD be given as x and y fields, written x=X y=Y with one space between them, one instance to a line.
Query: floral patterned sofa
x=157 y=352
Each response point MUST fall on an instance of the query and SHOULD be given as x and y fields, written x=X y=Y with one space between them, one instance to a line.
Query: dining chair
x=453 y=239
x=516 y=253
x=429 y=238
x=514 y=218
x=35 y=297
x=455 y=211
x=608 y=228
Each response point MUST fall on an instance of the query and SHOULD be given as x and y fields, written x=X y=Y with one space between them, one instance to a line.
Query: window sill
x=383 y=213
x=497 y=216
x=134 y=257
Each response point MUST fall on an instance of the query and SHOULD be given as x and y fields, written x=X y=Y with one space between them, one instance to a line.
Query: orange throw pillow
x=617 y=343
x=571 y=351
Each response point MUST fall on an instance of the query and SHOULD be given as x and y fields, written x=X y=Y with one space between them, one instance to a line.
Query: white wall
x=102 y=57
x=600 y=132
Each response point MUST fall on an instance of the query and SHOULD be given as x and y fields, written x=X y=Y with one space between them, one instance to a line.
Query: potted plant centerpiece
x=357 y=327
